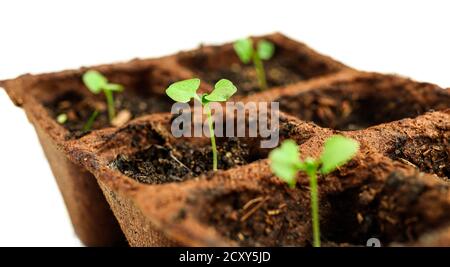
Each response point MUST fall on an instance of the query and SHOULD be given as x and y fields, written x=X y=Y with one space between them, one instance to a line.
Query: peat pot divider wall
x=293 y=62
x=139 y=231
x=91 y=216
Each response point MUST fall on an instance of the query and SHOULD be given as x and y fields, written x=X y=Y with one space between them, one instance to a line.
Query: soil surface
x=244 y=76
x=159 y=159
x=386 y=206
x=364 y=102
x=79 y=108
x=426 y=154
x=161 y=164
x=275 y=216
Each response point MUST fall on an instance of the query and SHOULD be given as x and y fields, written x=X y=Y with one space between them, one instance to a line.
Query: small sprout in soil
x=246 y=52
x=97 y=83
x=285 y=163
x=62 y=118
x=184 y=91
x=88 y=126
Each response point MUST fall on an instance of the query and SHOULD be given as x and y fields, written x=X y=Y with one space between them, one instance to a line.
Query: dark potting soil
x=396 y=210
x=338 y=107
x=244 y=76
x=426 y=154
x=79 y=108
x=160 y=164
x=273 y=217
x=327 y=110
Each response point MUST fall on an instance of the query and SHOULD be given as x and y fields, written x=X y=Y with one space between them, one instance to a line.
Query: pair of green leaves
x=285 y=160
x=244 y=49
x=184 y=91
x=97 y=83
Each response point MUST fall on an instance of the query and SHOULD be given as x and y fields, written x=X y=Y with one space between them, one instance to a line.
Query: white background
x=411 y=38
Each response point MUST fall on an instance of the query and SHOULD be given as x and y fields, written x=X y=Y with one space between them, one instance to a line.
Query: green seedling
x=246 y=53
x=88 y=126
x=184 y=91
x=97 y=83
x=62 y=118
x=285 y=163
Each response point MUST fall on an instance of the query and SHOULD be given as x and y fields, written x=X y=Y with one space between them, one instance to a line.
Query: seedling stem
x=260 y=73
x=213 y=138
x=110 y=103
x=88 y=126
x=314 y=206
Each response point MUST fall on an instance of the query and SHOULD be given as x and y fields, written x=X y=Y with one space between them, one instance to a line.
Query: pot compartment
x=150 y=154
x=364 y=102
x=159 y=164
x=385 y=200
x=289 y=64
x=143 y=94
x=396 y=209
x=266 y=214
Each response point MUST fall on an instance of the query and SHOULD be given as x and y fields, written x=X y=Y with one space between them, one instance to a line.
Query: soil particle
x=122 y=117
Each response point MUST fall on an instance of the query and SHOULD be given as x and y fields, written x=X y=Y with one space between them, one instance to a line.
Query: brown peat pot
x=138 y=183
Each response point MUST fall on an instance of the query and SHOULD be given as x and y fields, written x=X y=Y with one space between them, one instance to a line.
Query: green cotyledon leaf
x=338 y=150
x=183 y=91
x=244 y=49
x=114 y=87
x=223 y=90
x=265 y=49
x=94 y=81
x=285 y=162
